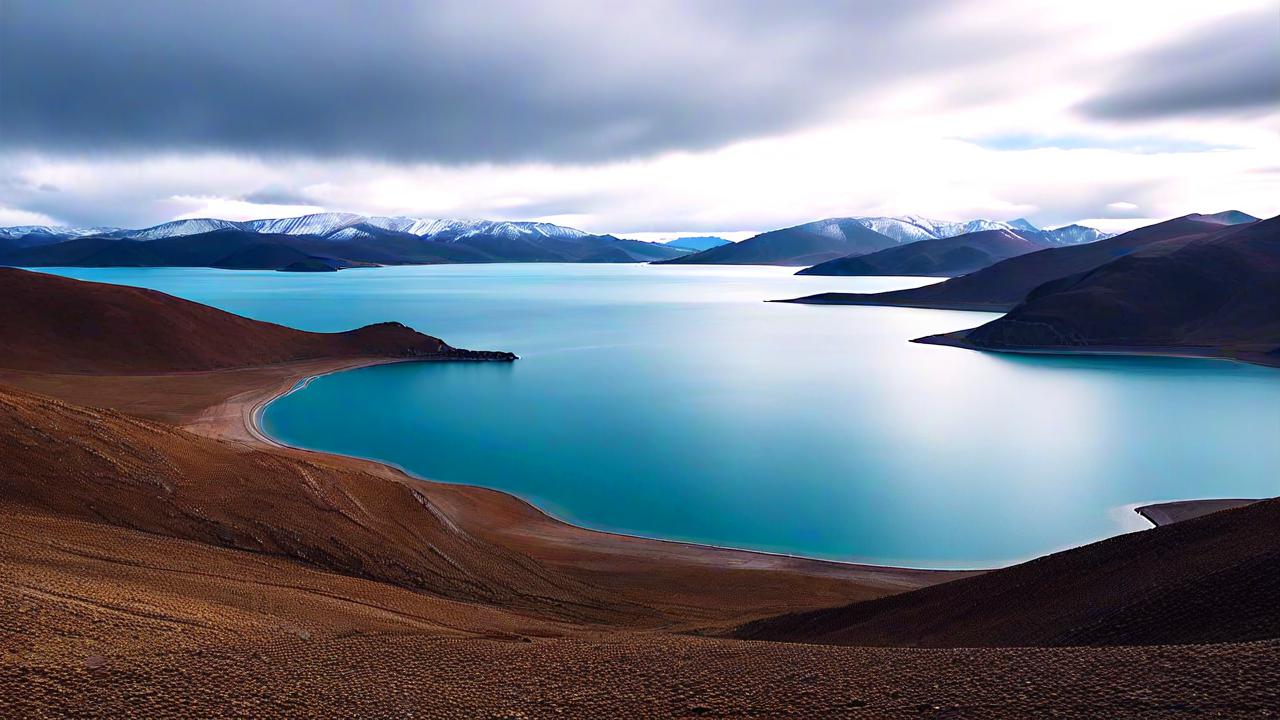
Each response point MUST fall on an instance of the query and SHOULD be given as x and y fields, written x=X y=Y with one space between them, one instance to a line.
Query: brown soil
x=157 y=559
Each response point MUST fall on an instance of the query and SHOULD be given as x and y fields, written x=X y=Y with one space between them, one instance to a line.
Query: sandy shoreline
x=251 y=409
x=698 y=585
x=251 y=405
x=227 y=405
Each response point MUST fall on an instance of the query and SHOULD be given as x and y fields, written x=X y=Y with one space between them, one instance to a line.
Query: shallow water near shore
x=671 y=402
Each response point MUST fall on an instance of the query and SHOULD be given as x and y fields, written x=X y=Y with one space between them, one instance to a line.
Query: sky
x=651 y=119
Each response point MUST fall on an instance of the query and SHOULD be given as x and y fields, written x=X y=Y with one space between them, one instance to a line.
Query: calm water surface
x=671 y=402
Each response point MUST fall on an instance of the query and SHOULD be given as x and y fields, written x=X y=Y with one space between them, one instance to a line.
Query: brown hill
x=56 y=324
x=1216 y=295
x=1210 y=579
x=102 y=466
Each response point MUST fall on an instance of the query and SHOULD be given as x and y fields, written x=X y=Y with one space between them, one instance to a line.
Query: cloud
x=13 y=216
x=231 y=209
x=748 y=186
x=1143 y=145
x=1232 y=66
x=276 y=195
x=452 y=80
x=664 y=117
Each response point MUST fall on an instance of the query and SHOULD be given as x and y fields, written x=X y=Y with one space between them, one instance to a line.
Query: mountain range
x=322 y=241
x=1198 y=285
x=824 y=240
x=1005 y=284
x=935 y=257
x=332 y=241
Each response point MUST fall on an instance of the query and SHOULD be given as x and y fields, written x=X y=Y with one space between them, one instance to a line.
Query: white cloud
x=12 y=216
x=226 y=209
x=881 y=167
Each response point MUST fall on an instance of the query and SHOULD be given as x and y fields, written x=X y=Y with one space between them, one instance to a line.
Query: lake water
x=672 y=402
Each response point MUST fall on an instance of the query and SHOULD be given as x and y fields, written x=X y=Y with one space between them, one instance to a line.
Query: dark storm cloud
x=448 y=81
x=1231 y=67
x=277 y=195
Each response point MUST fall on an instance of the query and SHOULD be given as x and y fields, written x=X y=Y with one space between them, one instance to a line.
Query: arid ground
x=162 y=559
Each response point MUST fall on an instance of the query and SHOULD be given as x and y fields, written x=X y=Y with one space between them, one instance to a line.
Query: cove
x=671 y=402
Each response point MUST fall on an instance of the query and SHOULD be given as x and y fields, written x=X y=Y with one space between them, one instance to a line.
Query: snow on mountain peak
x=348 y=226
x=178 y=228
x=59 y=231
x=910 y=228
x=314 y=224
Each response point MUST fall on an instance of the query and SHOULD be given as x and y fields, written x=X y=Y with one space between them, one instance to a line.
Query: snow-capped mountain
x=326 y=241
x=321 y=224
x=1075 y=235
x=349 y=226
x=178 y=228
x=60 y=232
x=835 y=227
x=910 y=228
x=453 y=230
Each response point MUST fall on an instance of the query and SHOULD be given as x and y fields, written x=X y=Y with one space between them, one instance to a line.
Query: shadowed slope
x=1210 y=579
x=56 y=324
x=943 y=257
x=1217 y=295
x=106 y=467
x=1005 y=284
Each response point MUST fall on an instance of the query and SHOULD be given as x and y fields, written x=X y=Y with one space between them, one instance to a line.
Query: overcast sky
x=648 y=119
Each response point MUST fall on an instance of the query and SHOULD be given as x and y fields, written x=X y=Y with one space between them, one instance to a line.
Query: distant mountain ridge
x=698 y=243
x=1003 y=285
x=349 y=226
x=910 y=228
x=806 y=244
x=843 y=237
x=956 y=255
x=321 y=241
x=935 y=257
x=359 y=239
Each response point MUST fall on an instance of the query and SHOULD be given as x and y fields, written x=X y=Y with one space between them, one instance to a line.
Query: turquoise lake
x=671 y=402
